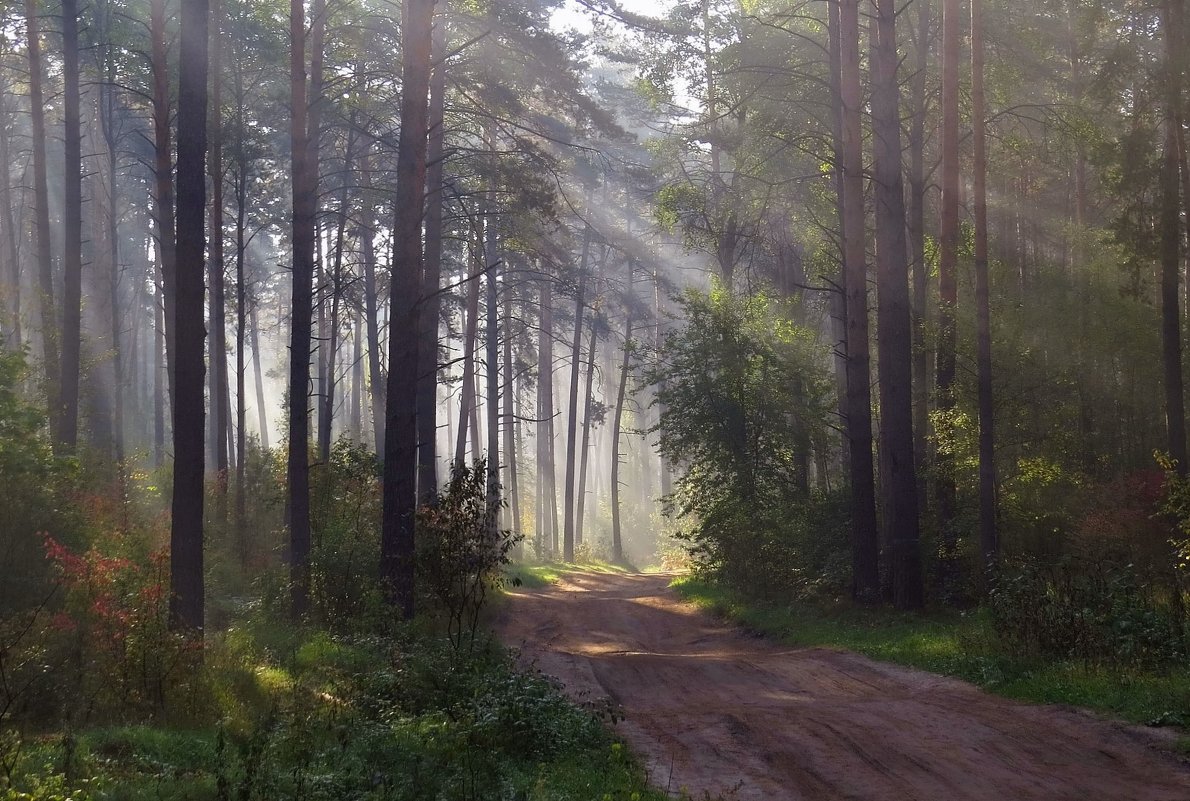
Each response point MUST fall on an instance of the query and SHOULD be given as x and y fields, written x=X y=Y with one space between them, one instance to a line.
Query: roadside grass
x=959 y=644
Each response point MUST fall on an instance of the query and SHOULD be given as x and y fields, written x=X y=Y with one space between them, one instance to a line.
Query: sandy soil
x=713 y=710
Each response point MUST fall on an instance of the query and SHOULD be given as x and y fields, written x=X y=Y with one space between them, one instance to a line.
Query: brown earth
x=713 y=710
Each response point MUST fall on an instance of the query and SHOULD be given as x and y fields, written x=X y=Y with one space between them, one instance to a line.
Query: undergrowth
x=963 y=645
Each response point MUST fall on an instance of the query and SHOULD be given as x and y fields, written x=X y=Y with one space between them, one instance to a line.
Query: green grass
x=542 y=574
x=957 y=644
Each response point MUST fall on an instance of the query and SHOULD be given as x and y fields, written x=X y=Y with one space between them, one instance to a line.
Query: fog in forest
x=412 y=399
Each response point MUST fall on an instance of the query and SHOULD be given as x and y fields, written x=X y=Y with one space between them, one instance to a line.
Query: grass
x=957 y=644
x=298 y=712
x=542 y=574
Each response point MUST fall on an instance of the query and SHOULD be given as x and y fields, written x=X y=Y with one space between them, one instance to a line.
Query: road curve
x=713 y=710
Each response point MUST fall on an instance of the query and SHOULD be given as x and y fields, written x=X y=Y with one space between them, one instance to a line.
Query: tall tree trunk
x=357 y=377
x=326 y=419
x=895 y=342
x=186 y=551
x=864 y=535
x=948 y=290
x=585 y=449
x=1171 y=211
x=838 y=297
x=511 y=424
x=617 y=422
x=220 y=391
x=431 y=282
x=258 y=374
x=917 y=237
x=371 y=319
x=10 y=230
x=108 y=109
x=546 y=469
x=470 y=334
x=72 y=224
x=304 y=188
x=572 y=410
x=400 y=444
x=163 y=174
x=988 y=540
x=492 y=347
x=41 y=200
x=241 y=201
x=160 y=377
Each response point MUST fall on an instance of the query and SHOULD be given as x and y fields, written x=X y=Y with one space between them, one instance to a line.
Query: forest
x=594 y=399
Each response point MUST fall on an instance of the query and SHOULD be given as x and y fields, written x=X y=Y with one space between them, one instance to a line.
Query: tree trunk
x=220 y=406
x=108 y=110
x=186 y=551
x=568 y=539
x=163 y=170
x=988 y=540
x=511 y=424
x=948 y=289
x=492 y=343
x=400 y=444
x=326 y=419
x=427 y=387
x=375 y=374
x=72 y=224
x=304 y=188
x=895 y=341
x=838 y=297
x=1171 y=320
x=917 y=237
x=467 y=387
x=241 y=201
x=258 y=374
x=43 y=247
x=546 y=469
x=617 y=539
x=584 y=451
x=160 y=378
x=864 y=534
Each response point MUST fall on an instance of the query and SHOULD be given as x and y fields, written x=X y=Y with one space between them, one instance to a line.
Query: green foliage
x=35 y=491
x=462 y=550
x=345 y=507
x=741 y=394
x=964 y=645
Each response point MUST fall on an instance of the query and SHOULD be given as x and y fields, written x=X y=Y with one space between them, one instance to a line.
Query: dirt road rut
x=711 y=709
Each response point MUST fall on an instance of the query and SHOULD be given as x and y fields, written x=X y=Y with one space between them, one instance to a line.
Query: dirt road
x=714 y=710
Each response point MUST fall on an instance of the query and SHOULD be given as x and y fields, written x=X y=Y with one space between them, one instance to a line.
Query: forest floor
x=712 y=710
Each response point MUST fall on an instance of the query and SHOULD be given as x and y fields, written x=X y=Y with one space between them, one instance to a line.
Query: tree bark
x=467 y=387
x=948 y=290
x=258 y=375
x=400 y=444
x=220 y=390
x=1171 y=210
x=72 y=224
x=988 y=539
x=895 y=340
x=186 y=540
x=585 y=450
x=326 y=419
x=617 y=537
x=163 y=173
x=546 y=469
x=427 y=388
x=304 y=188
x=42 y=243
x=568 y=536
x=917 y=237
x=864 y=534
